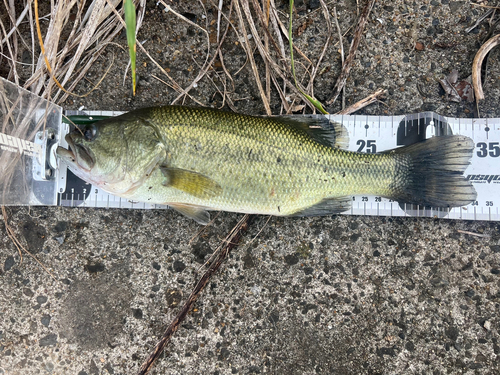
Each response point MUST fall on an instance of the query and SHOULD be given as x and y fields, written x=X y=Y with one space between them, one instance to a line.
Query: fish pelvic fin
x=190 y=182
x=328 y=206
x=198 y=214
x=430 y=173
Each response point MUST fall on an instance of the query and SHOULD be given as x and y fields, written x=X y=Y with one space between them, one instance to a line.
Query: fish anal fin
x=190 y=182
x=319 y=128
x=198 y=214
x=328 y=206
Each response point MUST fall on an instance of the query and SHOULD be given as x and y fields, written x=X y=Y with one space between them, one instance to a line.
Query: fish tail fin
x=431 y=172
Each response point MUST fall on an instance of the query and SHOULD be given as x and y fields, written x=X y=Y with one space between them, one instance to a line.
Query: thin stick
x=18 y=22
x=315 y=69
x=249 y=51
x=219 y=13
x=309 y=14
x=342 y=58
x=281 y=92
x=47 y=63
x=479 y=20
x=280 y=71
x=346 y=68
x=219 y=43
x=15 y=61
x=174 y=84
x=259 y=232
x=19 y=246
x=13 y=55
x=219 y=49
x=485 y=6
x=265 y=20
x=206 y=65
x=204 y=228
x=274 y=15
x=224 y=93
x=230 y=242
x=363 y=102
x=284 y=30
x=478 y=62
x=168 y=8
x=266 y=46
x=32 y=40
x=473 y=234
x=281 y=50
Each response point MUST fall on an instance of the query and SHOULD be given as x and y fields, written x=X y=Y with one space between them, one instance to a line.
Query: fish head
x=95 y=152
x=116 y=154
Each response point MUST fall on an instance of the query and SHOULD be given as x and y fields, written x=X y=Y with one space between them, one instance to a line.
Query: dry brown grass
x=70 y=31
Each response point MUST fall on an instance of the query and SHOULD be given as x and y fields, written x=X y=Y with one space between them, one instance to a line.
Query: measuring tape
x=366 y=134
x=380 y=133
x=32 y=128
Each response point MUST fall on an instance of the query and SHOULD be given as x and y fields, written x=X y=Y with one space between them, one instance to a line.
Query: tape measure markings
x=376 y=134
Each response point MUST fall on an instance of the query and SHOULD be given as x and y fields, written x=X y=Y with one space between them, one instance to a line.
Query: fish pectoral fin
x=198 y=214
x=328 y=206
x=191 y=182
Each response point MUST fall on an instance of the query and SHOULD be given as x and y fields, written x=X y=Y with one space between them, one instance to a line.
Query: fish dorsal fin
x=190 y=182
x=328 y=206
x=319 y=128
x=198 y=214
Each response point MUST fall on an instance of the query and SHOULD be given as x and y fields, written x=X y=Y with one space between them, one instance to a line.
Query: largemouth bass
x=196 y=159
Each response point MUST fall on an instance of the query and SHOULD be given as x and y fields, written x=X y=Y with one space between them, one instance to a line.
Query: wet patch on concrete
x=34 y=234
x=95 y=308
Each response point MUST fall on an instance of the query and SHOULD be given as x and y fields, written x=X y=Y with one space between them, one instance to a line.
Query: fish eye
x=90 y=132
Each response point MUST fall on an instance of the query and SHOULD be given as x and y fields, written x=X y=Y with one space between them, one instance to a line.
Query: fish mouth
x=76 y=155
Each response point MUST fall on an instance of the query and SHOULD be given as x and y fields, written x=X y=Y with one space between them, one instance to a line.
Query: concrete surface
x=340 y=295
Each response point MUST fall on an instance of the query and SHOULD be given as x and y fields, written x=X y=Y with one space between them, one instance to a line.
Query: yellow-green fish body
x=196 y=159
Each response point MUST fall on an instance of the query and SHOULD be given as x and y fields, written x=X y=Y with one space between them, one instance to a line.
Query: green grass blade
x=313 y=101
x=130 y=21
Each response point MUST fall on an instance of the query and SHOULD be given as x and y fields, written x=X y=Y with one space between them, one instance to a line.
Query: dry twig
x=230 y=242
x=485 y=6
x=342 y=58
x=248 y=49
x=478 y=62
x=473 y=233
x=346 y=68
x=363 y=102
x=315 y=69
x=479 y=20
x=19 y=246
